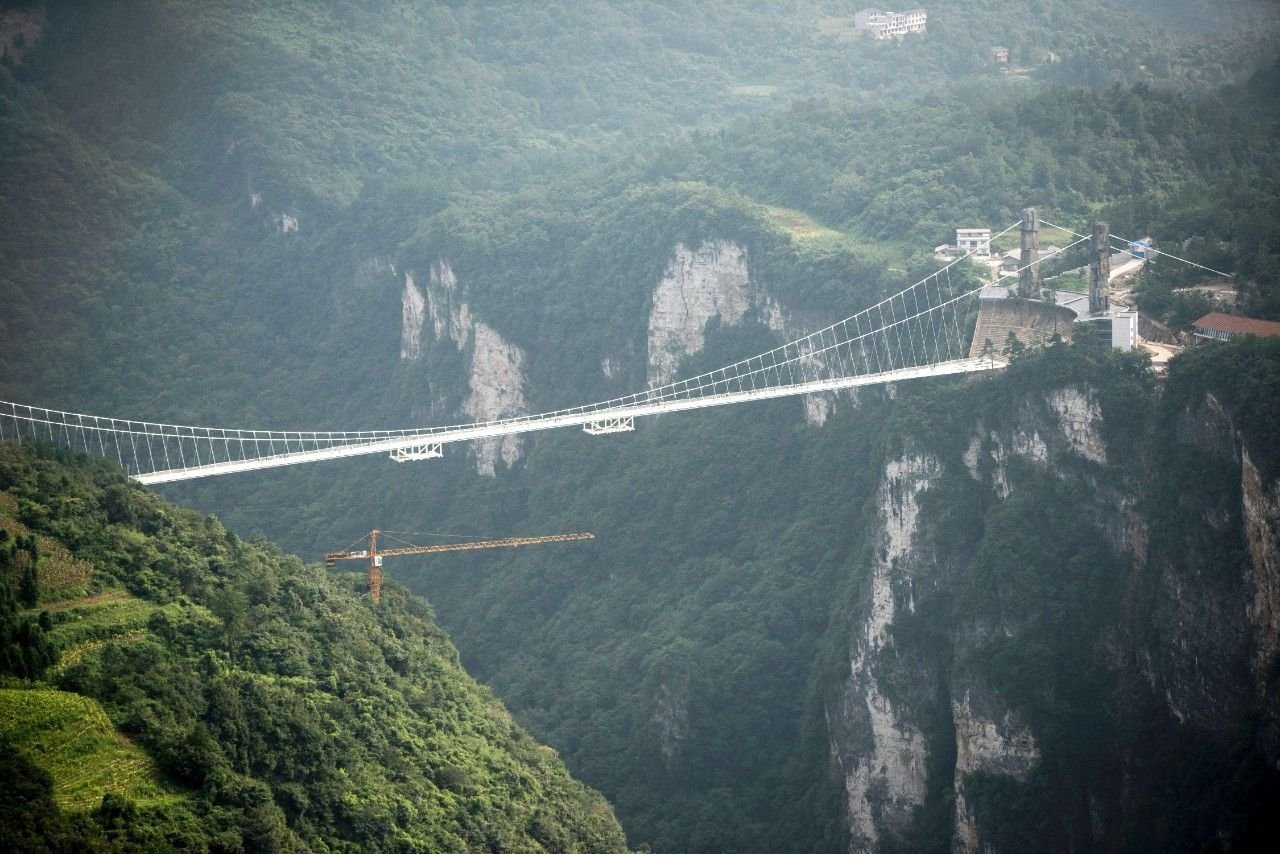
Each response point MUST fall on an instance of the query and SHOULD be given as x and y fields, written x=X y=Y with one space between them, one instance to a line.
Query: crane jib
x=374 y=555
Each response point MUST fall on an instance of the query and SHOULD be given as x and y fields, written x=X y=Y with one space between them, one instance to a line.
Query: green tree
x=988 y=350
x=1013 y=346
x=29 y=590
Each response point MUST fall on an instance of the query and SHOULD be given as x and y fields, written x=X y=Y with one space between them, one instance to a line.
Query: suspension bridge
x=926 y=330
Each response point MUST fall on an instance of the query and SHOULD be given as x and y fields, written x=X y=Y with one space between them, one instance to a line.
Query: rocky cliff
x=712 y=282
x=709 y=281
x=882 y=749
x=1213 y=653
x=1063 y=628
x=702 y=285
x=495 y=367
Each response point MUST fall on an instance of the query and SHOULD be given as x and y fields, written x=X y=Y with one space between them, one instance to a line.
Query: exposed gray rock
x=702 y=283
x=883 y=754
x=496 y=370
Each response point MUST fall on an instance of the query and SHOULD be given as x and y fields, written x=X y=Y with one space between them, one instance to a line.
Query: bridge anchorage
x=926 y=330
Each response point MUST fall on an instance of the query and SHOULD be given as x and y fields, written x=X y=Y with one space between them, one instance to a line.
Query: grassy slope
x=72 y=738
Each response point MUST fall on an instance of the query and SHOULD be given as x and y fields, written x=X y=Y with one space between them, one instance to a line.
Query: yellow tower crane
x=374 y=555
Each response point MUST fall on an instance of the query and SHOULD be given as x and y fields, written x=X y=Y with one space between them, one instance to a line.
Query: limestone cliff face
x=879 y=742
x=1221 y=620
x=699 y=284
x=896 y=701
x=1261 y=504
x=450 y=315
x=1065 y=422
x=495 y=367
x=412 y=313
x=1192 y=663
x=1195 y=637
x=497 y=391
x=1078 y=419
x=711 y=281
x=992 y=739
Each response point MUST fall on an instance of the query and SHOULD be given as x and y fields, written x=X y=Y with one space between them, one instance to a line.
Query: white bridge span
x=923 y=331
x=183 y=453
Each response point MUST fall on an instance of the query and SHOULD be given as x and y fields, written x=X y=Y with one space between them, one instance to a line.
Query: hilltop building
x=1000 y=55
x=1216 y=326
x=1142 y=248
x=883 y=25
x=1012 y=259
x=975 y=240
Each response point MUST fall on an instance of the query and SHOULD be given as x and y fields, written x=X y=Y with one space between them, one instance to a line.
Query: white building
x=1118 y=329
x=1124 y=330
x=975 y=240
x=883 y=25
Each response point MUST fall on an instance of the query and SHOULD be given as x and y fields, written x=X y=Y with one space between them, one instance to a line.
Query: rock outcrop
x=450 y=315
x=988 y=742
x=884 y=762
x=1079 y=418
x=712 y=282
x=702 y=283
x=1261 y=505
x=497 y=391
x=495 y=367
x=412 y=314
x=1189 y=648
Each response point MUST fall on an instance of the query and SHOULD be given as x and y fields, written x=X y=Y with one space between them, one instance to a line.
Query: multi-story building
x=883 y=25
x=975 y=240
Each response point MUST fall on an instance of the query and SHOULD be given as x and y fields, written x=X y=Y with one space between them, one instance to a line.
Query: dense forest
x=278 y=710
x=132 y=222
x=209 y=212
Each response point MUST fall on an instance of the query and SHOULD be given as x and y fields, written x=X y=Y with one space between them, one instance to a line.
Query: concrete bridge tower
x=1100 y=269
x=1029 y=260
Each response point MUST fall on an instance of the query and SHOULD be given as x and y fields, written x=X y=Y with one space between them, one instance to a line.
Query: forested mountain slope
x=159 y=157
x=277 y=708
x=986 y=590
x=373 y=214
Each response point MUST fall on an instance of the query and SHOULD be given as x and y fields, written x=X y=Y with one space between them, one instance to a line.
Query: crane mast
x=373 y=555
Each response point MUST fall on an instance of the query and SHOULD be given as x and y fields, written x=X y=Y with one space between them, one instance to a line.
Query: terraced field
x=71 y=737
x=80 y=623
x=61 y=575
